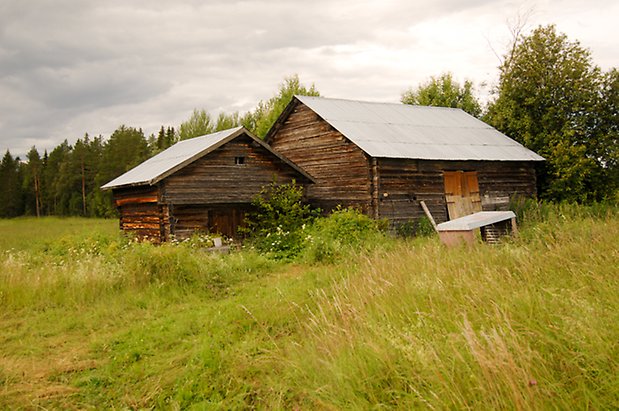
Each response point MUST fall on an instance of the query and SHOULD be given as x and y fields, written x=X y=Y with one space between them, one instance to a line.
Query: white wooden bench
x=493 y=225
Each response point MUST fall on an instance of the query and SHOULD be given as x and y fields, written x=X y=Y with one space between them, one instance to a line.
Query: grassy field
x=91 y=320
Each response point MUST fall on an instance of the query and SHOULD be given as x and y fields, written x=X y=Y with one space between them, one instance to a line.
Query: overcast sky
x=68 y=67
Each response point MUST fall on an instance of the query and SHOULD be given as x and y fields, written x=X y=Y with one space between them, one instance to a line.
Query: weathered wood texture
x=140 y=213
x=217 y=179
x=461 y=193
x=340 y=168
x=211 y=195
x=403 y=183
x=390 y=188
x=222 y=219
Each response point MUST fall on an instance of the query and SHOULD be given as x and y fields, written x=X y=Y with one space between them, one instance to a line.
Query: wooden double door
x=461 y=193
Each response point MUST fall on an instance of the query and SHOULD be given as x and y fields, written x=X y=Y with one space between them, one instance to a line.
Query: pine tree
x=32 y=181
x=10 y=186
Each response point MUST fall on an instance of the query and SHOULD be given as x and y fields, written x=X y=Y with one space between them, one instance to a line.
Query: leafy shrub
x=421 y=227
x=278 y=221
x=343 y=230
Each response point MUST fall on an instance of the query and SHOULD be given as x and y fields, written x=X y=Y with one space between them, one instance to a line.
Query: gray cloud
x=68 y=67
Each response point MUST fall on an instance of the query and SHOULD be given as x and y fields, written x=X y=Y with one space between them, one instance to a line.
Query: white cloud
x=69 y=67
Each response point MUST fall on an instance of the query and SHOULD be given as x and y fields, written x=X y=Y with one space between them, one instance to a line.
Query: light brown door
x=461 y=193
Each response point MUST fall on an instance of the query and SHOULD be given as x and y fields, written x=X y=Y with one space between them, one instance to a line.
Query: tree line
x=550 y=97
x=66 y=181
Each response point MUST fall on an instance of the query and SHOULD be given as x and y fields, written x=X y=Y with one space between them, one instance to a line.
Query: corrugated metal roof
x=417 y=132
x=177 y=156
x=184 y=153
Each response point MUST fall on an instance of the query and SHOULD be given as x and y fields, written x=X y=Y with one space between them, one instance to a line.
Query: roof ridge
x=400 y=104
x=214 y=133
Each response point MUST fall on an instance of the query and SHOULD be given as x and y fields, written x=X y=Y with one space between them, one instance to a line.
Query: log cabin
x=202 y=184
x=385 y=158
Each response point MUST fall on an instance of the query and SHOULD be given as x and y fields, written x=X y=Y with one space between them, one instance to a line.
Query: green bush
x=342 y=231
x=277 y=223
x=421 y=227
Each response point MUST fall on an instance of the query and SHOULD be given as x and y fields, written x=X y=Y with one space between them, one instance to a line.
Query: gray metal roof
x=417 y=132
x=182 y=154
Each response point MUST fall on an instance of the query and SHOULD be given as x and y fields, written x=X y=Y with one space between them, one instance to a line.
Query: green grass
x=29 y=233
x=90 y=320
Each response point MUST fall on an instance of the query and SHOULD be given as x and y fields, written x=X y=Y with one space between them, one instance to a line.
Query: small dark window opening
x=239 y=160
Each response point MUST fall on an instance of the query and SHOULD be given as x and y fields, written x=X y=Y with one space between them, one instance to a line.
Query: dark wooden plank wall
x=403 y=183
x=140 y=213
x=187 y=219
x=200 y=192
x=340 y=168
x=501 y=180
x=222 y=219
x=216 y=179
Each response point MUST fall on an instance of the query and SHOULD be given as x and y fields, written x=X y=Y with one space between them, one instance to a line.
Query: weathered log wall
x=212 y=194
x=222 y=219
x=340 y=168
x=140 y=212
x=404 y=183
x=382 y=187
x=217 y=178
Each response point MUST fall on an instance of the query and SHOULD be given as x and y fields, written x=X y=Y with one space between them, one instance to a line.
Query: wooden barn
x=386 y=158
x=206 y=183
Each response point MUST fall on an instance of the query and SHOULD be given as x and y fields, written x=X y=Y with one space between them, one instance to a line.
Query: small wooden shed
x=385 y=158
x=206 y=183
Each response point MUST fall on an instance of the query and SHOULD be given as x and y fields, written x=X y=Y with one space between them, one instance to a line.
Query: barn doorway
x=461 y=193
x=225 y=221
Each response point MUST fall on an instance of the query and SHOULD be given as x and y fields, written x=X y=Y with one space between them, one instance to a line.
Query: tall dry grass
x=528 y=324
x=93 y=320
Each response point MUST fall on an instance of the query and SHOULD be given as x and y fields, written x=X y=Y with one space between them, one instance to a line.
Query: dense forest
x=550 y=97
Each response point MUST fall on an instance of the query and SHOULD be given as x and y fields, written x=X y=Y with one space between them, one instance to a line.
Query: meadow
x=90 y=319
